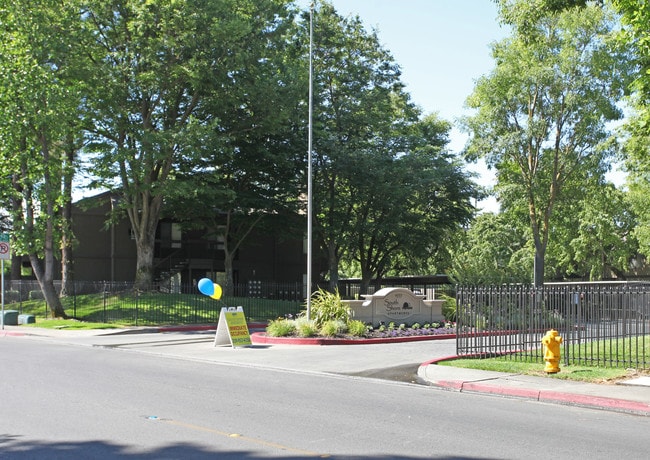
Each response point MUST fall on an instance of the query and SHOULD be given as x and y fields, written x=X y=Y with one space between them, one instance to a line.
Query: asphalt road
x=61 y=400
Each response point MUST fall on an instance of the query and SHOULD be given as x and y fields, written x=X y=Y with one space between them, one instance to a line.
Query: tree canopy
x=542 y=113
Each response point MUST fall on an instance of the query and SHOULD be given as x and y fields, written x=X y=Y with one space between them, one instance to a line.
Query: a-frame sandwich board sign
x=232 y=328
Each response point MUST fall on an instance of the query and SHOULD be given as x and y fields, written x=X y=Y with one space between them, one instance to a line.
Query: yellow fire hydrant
x=551 y=342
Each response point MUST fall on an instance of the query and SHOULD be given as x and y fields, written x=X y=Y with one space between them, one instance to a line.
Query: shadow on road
x=14 y=447
x=404 y=373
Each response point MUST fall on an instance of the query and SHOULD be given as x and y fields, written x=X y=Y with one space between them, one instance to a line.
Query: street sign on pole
x=5 y=246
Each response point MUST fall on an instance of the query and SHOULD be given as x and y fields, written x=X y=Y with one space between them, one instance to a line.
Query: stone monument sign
x=399 y=305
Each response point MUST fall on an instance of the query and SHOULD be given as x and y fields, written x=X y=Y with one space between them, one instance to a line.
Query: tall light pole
x=309 y=162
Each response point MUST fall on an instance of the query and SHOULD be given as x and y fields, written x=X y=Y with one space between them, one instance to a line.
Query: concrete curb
x=541 y=395
x=555 y=397
x=5 y=333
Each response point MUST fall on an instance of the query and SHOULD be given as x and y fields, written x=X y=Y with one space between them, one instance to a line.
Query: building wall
x=102 y=251
x=106 y=252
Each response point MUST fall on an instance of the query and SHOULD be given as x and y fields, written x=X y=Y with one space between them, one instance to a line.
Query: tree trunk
x=333 y=267
x=366 y=278
x=16 y=260
x=144 y=213
x=67 y=278
x=47 y=287
x=229 y=288
x=538 y=270
x=144 y=263
x=16 y=267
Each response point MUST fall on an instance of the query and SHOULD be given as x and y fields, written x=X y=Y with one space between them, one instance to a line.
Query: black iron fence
x=602 y=324
x=164 y=303
x=173 y=303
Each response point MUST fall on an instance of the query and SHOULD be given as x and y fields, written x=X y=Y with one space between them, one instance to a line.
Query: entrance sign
x=232 y=328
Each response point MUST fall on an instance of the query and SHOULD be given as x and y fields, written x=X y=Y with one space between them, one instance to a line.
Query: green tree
x=636 y=23
x=524 y=15
x=354 y=81
x=409 y=202
x=494 y=250
x=38 y=106
x=242 y=187
x=637 y=163
x=542 y=113
x=166 y=72
x=605 y=243
x=246 y=172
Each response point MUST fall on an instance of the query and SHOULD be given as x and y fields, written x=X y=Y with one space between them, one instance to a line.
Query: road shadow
x=403 y=373
x=15 y=447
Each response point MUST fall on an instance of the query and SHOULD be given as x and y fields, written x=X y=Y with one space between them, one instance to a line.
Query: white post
x=309 y=164
x=2 y=267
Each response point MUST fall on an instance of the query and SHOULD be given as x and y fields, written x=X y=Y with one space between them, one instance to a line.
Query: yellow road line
x=244 y=438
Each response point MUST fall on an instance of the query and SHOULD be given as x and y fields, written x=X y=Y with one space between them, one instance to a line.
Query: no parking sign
x=5 y=246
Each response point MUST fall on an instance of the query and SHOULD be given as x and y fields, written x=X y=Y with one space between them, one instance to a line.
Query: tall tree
x=605 y=244
x=493 y=250
x=249 y=166
x=355 y=83
x=157 y=64
x=636 y=23
x=542 y=113
x=38 y=110
x=409 y=195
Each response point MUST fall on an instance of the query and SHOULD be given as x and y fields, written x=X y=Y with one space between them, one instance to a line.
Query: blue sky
x=442 y=47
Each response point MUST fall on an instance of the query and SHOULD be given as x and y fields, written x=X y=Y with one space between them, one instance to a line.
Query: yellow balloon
x=217 y=292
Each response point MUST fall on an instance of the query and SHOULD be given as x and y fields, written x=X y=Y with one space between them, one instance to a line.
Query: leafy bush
x=449 y=308
x=306 y=327
x=327 y=306
x=281 y=328
x=357 y=328
x=333 y=327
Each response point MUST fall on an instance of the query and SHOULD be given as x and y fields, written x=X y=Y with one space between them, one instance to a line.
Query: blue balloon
x=206 y=286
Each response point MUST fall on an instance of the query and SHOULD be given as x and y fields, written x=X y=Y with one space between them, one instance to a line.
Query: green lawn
x=567 y=372
x=131 y=308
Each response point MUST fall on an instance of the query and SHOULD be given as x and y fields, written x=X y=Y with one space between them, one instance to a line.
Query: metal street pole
x=2 y=263
x=5 y=254
x=309 y=163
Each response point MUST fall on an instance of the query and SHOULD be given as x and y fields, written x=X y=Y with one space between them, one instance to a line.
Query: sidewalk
x=631 y=396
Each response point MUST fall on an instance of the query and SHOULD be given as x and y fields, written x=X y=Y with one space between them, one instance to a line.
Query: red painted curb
x=262 y=338
x=450 y=384
x=594 y=401
x=491 y=389
x=11 y=334
x=574 y=399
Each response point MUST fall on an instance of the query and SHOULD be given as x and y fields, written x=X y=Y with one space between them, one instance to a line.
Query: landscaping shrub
x=306 y=327
x=357 y=328
x=281 y=328
x=328 y=306
x=333 y=327
x=449 y=308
